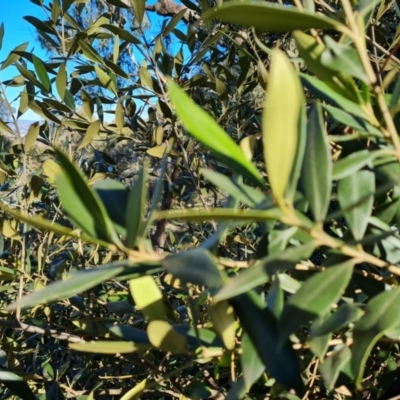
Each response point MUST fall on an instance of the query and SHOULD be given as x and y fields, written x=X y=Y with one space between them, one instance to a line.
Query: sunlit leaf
x=12 y=57
x=91 y=133
x=280 y=131
x=61 y=81
x=108 y=347
x=223 y=320
x=203 y=128
x=82 y=203
x=32 y=135
x=148 y=297
x=164 y=337
x=138 y=9
x=268 y=17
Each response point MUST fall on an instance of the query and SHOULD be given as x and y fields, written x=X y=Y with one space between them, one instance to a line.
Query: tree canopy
x=209 y=206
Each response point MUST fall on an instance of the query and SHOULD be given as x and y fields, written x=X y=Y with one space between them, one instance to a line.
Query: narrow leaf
x=91 y=133
x=316 y=174
x=108 y=347
x=136 y=208
x=280 y=361
x=194 y=266
x=280 y=133
x=356 y=198
x=148 y=297
x=61 y=81
x=77 y=282
x=203 y=128
x=268 y=17
x=164 y=337
x=315 y=297
x=41 y=72
x=82 y=203
x=381 y=315
x=223 y=320
x=32 y=135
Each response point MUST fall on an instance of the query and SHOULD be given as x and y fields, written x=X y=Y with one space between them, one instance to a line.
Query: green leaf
x=315 y=297
x=311 y=50
x=319 y=344
x=130 y=333
x=316 y=174
x=203 y=128
x=82 y=204
x=260 y=272
x=87 y=103
x=12 y=57
x=325 y=92
x=356 y=198
x=136 y=392
x=91 y=133
x=164 y=337
x=291 y=190
x=32 y=135
x=1 y=34
x=349 y=120
x=30 y=76
x=77 y=282
x=252 y=366
x=381 y=315
x=173 y=22
x=105 y=79
x=223 y=320
x=261 y=326
x=145 y=77
x=108 y=347
x=333 y=364
x=41 y=72
x=345 y=314
x=241 y=192
x=44 y=224
x=194 y=266
x=135 y=211
x=5 y=128
x=55 y=10
x=39 y=108
x=16 y=385
x=148 y=297
x=342 y=57
x=280 y=123
x=275 y=298
x=90 y=53
x=353 y=163
x=138 y=9
x=268 y=17
x=119 y=117
x=61 y=81
x=122 y=33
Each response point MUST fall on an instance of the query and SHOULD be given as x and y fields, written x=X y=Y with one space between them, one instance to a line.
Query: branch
x=35 y=329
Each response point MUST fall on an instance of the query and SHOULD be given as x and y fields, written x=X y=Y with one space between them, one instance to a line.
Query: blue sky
x=18 y=31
